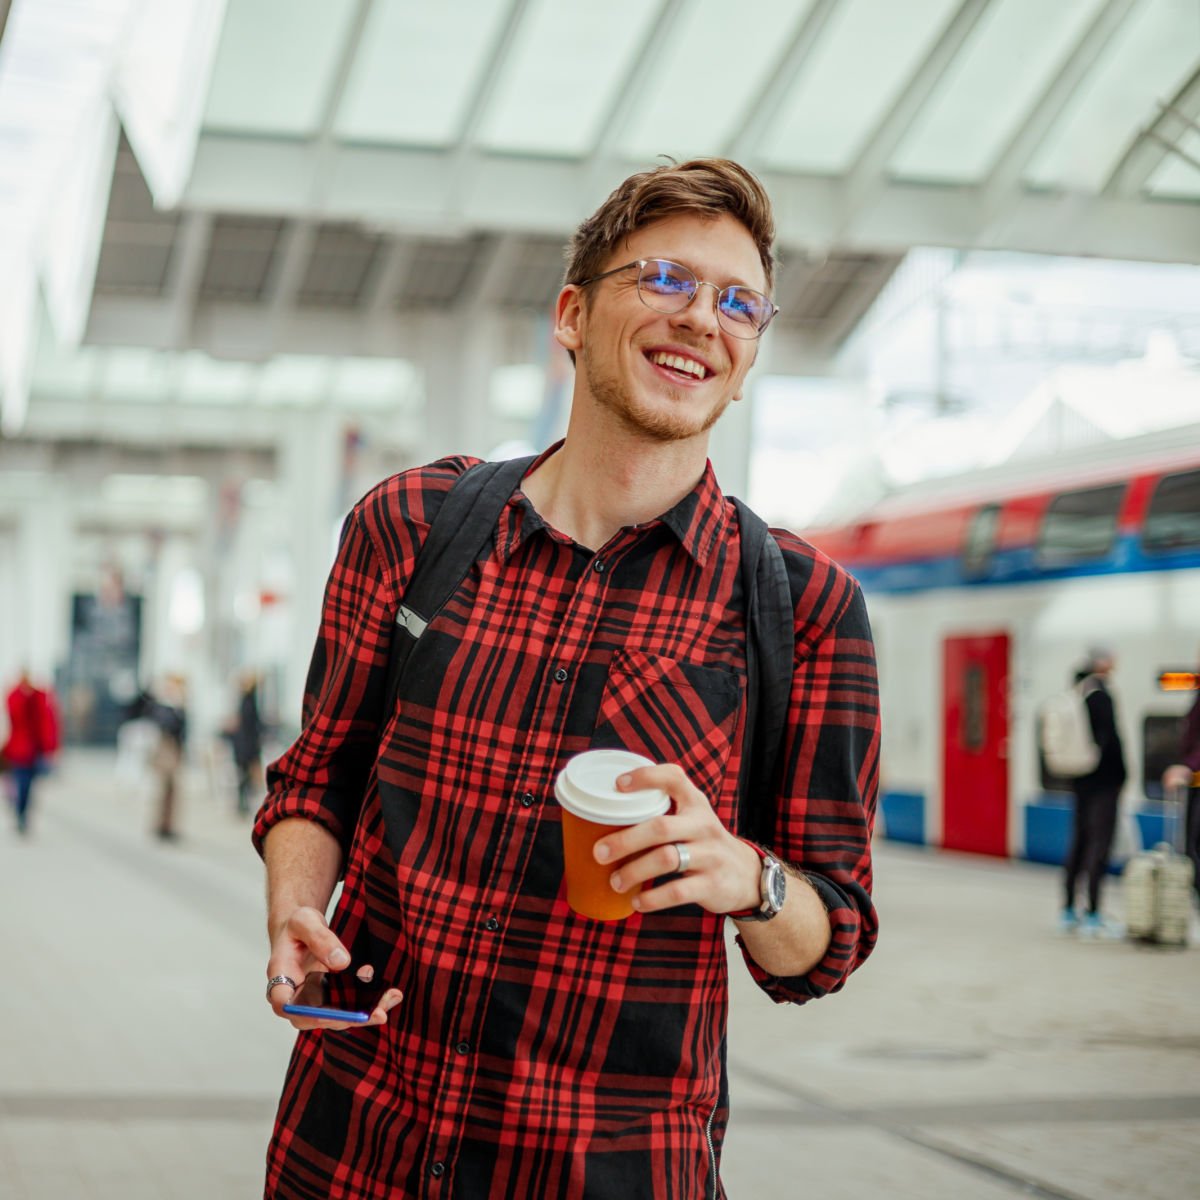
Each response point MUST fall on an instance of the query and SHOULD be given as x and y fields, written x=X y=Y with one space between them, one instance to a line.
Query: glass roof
x=275 y=64
x=1147 y=61
x=417 y=70
x=1177 y=176
x=869 y=51
x=566 y=64
x=993 y=82
x=684 y=109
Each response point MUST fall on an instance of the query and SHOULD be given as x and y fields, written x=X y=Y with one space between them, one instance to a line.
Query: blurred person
x=1185 y=774
x=31 y=743
x=535 y=1052
x=168 y=712
x=1097 y=799
x=245 y=739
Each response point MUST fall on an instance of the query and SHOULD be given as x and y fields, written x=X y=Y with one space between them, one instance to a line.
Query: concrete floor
x=978 y=1054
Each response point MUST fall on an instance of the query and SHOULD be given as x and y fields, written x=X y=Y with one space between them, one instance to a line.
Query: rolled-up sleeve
x=824 y=815
x=324 y=773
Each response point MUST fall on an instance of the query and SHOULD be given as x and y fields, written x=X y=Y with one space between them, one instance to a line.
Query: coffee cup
x=592 y=807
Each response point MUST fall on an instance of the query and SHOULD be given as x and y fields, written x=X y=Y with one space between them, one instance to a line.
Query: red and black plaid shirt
x=538 y=1053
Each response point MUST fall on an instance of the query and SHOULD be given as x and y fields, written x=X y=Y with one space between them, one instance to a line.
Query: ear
x=569 y=318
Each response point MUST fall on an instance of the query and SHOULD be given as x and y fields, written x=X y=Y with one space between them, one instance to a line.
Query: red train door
x=975 y=743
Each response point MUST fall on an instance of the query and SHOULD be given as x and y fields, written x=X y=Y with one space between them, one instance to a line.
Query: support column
x=459 y=356
x=43 y=559
x=310 y=466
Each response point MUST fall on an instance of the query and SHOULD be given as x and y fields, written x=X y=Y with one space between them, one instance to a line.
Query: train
x=986 y=592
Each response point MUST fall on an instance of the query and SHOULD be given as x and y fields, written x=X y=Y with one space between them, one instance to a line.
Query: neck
x=603 y=480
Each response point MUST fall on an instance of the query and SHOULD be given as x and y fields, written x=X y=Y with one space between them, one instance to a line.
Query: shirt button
x=491 y=924
x=526 y=799
x=560 y=675
x=463 y=1048
x=599 y=566
x=437 y=1169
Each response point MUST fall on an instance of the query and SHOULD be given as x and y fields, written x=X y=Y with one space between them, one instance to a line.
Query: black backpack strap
x=770 y=650
x=458 y=535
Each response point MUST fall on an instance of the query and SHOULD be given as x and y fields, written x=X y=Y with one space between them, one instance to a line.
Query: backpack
x=1068 y=747
x=465 y=524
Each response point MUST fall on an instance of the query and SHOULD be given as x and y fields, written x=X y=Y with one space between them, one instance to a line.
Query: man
x=1185 y=775
x=1097 y=797
x=536 y=1052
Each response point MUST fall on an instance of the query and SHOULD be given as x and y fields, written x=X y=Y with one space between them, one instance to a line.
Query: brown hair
x=704 y=186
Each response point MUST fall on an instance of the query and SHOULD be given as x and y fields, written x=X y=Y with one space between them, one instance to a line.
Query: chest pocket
x=672 y=712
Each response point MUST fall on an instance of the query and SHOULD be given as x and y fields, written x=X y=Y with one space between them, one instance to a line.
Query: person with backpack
x=514 y=1047
x=1097 y=797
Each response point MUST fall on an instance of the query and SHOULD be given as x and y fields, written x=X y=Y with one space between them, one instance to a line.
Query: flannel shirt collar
x=698 y=520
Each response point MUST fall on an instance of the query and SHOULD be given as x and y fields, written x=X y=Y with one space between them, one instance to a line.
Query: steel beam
x=1006 y=174
x=867 y=178
x=1158 y=141
x=762 y=113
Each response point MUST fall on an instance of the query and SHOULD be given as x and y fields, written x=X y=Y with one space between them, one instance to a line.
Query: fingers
x=307 y=928
x=312 y=993
x=691 y=818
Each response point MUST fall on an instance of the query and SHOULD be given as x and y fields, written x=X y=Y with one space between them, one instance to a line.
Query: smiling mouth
x=679 y=365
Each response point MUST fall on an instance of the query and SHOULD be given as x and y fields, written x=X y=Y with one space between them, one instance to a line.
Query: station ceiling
x=354 y=161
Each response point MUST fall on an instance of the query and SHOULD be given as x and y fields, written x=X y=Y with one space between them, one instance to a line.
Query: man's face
x=625 y=350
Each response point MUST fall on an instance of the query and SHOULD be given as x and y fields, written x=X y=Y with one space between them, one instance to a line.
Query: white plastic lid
x=587 y=787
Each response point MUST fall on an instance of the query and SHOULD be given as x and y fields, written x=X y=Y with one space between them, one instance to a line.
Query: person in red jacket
x=32 y=739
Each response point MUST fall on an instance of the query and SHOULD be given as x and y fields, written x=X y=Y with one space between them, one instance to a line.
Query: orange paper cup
x=592 y=808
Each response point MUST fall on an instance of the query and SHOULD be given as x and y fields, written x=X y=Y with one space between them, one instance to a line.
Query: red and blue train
x=985 y=593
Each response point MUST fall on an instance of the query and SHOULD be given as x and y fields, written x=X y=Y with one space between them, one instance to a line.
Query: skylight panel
x=207 y=380
x=867 y=53
x=1177 y=177
x=990 y=88
x=275 y=65
x=294 y=380
x=418 y=69
x=1148 y=61
x=682 y=113
x=567 y=64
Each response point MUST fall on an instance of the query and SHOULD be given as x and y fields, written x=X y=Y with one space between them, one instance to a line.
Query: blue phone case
x=326 y=1014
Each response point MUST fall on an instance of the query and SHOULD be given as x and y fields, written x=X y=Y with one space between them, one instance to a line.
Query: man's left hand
x=722 y=872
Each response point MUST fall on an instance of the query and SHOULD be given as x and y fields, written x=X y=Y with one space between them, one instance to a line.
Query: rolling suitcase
x=1158 y=884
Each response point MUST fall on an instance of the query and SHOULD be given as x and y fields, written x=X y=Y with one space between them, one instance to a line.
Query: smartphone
x=327 y=1014
x=309 y=999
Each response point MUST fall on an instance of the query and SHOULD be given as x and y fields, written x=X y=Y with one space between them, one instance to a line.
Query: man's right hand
x=305 y=949
x=1177 y=776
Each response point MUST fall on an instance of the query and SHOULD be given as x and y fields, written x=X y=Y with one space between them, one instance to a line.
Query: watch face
x=776 y=887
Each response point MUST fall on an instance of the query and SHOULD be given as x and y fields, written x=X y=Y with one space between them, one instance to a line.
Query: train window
x=981 y=539
x=972 y=730
x=1162 y=736
x=1173 y=519
x=1079 y=526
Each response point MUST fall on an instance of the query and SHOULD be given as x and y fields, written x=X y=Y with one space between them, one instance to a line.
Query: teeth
x=677 y=362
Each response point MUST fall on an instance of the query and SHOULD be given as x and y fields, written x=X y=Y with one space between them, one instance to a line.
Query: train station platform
x=977 y=1054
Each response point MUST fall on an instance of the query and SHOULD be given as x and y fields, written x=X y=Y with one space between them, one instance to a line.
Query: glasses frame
x=643 y=263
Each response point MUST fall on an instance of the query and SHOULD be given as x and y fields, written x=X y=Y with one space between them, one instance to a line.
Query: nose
x=699 y=313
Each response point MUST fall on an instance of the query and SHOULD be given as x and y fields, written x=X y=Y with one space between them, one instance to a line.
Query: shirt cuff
x=845 y=950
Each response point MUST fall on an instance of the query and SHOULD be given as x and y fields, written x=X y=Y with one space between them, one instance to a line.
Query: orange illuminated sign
x=1179 y=681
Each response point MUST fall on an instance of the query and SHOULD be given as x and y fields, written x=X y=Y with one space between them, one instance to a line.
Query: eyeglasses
x=669 y=287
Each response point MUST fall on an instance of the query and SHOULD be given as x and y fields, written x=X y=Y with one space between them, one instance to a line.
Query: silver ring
x=276 y=980
x=685 y=858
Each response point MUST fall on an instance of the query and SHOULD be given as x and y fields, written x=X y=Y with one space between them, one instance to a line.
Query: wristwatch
x=772 y=887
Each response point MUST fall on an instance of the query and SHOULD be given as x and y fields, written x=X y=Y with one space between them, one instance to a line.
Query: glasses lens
x=743 y=311
x=665 y=285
